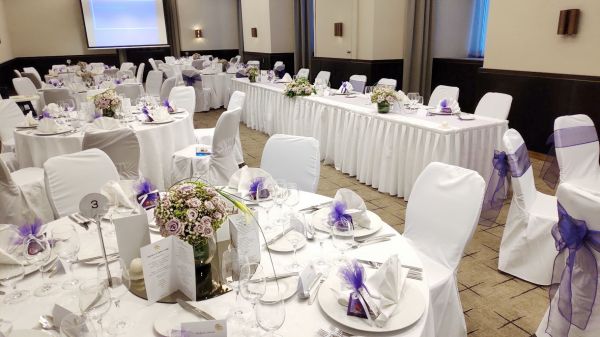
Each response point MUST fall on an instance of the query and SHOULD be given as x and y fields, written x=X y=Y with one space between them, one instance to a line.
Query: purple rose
x=208 y=231
x=192 y=214
x=194 y=202
x=206 y=221
x=209 y=205
x=218 y=216
x=173 y=227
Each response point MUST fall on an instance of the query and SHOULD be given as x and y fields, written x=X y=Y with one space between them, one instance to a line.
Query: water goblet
x=232 y=279
x=38 y=251
x=294 y=237
x=264 y=198
x=342 y=233
x=9 y=278
x=76 y=326
x=252 y=285
x=412 y=98
x=115 y=324
x=66 y=246
x=94 y=300
x=279 y=197
x=271 y=315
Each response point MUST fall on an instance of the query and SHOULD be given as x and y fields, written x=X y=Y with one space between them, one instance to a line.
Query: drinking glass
x=279 y=197
x=293 y=198
x=320 y=236
x=76 y=326
x=37 y=251
x=66 y=246
x=294 y=237
x=117 y=323
x=232 y=279
x=253 y=285
x=412 y=97
x=264 y=198
x=271 y=315
x=94 y=300
x=10 y=280
x=342 y=233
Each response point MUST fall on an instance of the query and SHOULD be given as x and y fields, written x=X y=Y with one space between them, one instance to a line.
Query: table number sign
x=205 y=329
x=93 y=206
x=244 y=239
x=132 y=234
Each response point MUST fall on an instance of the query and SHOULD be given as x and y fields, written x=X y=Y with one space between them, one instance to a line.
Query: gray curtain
x=173 y=24
x=417 y=49
x=240 y=29
x=303 y=22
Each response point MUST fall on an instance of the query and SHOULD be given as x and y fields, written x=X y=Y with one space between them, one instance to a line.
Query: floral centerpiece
x=385 y=96
x=196 y=56
x=299 y=87
x=252 y=73
x=82 y=66
x=107 y=103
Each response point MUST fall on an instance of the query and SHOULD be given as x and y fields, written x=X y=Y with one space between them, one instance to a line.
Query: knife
x=360 y=244
x=275 y=278
x=190 y=308
x=279 y=236
x=390 y=235
x=89 y=259
x=313 y=295
x=315 y=206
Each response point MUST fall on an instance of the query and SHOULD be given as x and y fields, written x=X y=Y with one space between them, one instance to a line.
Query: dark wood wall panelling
x=139 y=55
x=220 y=53
x=342 y=69
x=461 y=73
x=267 y=60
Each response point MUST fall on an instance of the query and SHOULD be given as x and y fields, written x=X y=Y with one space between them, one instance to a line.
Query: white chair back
x=55 y=95
x=166 y=88
x=524 y=191
x=458 y=195
x=442 y=91
x=198 y=64
x=152 y=64
x=254 y=63
x=154 y=82
x=122 y=147
x=237 y=100
x=24 y=86
x=14 y=208
x=183 y=97
x=222 y=162
x=358 y=82
x=580 y=161
x=169 y=60
x=323 y=76
x=495 y=105
x=303 y=73
x=18 y=73
x=198 y=88
x=140 y=73
x=36 y=82
x=33 y=71
x=10 y=117
x=167 y=69
x=277 y=64
x=293 y=158
x=390 y=82
x=59 y=67
x=133 y=91
x=97 y=65
x=72 y=176
x=126 y=65
x=125 y=74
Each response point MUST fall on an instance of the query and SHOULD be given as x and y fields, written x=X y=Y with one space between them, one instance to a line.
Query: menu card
x=205 y=329
x=168 y=266
x=132 y=234
x=244 y=240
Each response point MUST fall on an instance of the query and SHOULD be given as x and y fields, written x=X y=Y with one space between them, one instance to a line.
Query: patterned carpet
x=494 y=303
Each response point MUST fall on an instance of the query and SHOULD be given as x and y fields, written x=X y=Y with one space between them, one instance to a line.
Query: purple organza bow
x=146 y=112
x=358 y=86
x=45 y=114
x=354 y=275
x=338 y=216
x=577 y=281
x=33 y=229
x=191 y=80
x=167 y=104
x=561 y=138
x=280 y=70
x=256 y=188
x=146 y=193
x=344 y=88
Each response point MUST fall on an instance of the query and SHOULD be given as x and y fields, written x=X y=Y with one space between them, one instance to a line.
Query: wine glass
x=294 y=237
x=37 y=251
x=76 y=326
x=253 y=284
x=412 y=98
x=342 y=233
x=9 y=278
x=94 y=300
x=232 y=279
x=116 y=324
x=271 y=315
x=293 y=198
x=66 y=246
x=264 y=197
x=279 y=197
x=320 y=236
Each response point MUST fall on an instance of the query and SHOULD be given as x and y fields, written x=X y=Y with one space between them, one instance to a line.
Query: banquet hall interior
x=333 y=168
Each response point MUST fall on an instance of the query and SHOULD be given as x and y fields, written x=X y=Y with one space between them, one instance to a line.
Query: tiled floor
x=495 y=304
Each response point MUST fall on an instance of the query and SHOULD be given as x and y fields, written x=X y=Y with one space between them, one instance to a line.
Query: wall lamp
x=198 y=33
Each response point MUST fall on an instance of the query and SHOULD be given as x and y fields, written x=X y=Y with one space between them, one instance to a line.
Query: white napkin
x=448 y=105
x=243 y=177
x=106 y=123
x=7 y=258
x=345 y=88
x=48 y=125
x=286 y=78
x=53 y=109
x=118 y=194
x=160 y=114
x=387 y=284
x=355 y=207
x=30 y=120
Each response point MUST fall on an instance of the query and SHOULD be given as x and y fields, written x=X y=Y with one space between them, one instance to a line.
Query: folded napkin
x=160 y=114
x=53 y=109
x=30 y=120
x=7 y=258
x=387 y=285
x=355 y=207
x=106 y=123
x=48 y=125
x=118 y=194
x=280 y=70
x=448 y=106
x=345 y=88
x=286 y=78
x=247 y=179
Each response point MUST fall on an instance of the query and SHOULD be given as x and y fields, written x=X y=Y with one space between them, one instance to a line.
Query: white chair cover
x=220 y=165
x=169 y=60
x=585 y=206
x=36 y=82
x=121 y=146
x=389 y=82
x=183 y=97
x=495 y=105
x=23 y=196
x=126 y=65
x=198 y=64
x=293 y=158
x=527 y=249
x=18 y=73
x=358 y=82
x=10 y=160
x=33 y=71
x=205 y=136
x=277 y=64
x=133 y=91
x=303 y=72
x=167 y=69
x=579 y=164
x=55 y=95
x=125 y=74
x=152 y=64
x=154 y=82
x=166 y=87
x=254 y=63
x=97 y=65
x=323 y=76
x=10 y=117
x=70 y=177
x=441 y=217
x=58 y=67
x=203 y=95
x=442 y=91
x=140 y=73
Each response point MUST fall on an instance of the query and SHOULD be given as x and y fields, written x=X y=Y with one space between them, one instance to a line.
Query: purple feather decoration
x=354 y=275
x=25 y=231
x=45 y=114
x=146 y=112
x=167 y=104
x=338 y=216
x=257 y=188
x=146 y=193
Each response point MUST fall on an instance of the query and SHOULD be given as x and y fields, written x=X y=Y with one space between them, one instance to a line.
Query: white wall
x=6 y=52
x=452 y=28
x=255 y=13
x=217 y=19
x=282 y=26
x=522 y=36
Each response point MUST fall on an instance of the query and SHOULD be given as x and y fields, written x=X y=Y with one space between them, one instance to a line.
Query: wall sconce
x=198 y=33
x=254 y=32
x=338 y=29
x=568 y=21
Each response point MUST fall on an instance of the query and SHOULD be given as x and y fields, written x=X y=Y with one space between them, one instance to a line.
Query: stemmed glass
x=293 y=198
x=253 y=284
x=10 y=278
x=120 y=281
x=294 y=237
x=264 y=198
x=279 y=197
x=413 y=97
x=66 y=246
x=233 y=281
x=271 y=315
x=94 y=300
x=38 y=251
x=76 y=326
x=342 y=233
x=320 y=236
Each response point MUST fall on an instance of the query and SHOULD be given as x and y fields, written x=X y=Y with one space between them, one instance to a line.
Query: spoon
x=47 y=322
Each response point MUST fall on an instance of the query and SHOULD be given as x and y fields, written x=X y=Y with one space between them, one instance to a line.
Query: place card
x=168 y=266
x=216 y=328
x=307 y=279
x=132 y=234
x=244 y=240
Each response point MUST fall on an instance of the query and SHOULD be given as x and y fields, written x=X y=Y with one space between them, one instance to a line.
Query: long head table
x=386 y=151
x=301 y=319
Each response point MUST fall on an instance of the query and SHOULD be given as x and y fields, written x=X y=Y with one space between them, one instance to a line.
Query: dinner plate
x=28 y=333
x=8 y=269
x=157 y=123
x=319 y=216
x=287 y=288
x=177 y=111
x=433 y=112
x=172 y=318
x=24 y=127
x=466 y=117
x=41 y=133
x=282 y=245
x=409 y=309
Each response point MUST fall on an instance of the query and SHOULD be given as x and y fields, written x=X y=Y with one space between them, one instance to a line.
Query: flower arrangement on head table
x=299 y=87
x=252 y=72
x=383 y=94
x=107 y=102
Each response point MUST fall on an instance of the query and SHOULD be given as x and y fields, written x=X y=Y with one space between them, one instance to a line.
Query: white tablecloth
x=219 y=83
x=301 y=319
x=386 y=151
x=157 y=145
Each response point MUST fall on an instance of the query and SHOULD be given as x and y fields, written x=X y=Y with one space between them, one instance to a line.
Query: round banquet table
x=219 y=83
x=157 y=144
x=301 y=319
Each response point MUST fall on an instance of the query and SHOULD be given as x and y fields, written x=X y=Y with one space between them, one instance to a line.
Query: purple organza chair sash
x=561 y=138
x=241 y=74
x=280 y=71
x=358 y=86
x=577 y=281
x=191 y=80
x=517 y=164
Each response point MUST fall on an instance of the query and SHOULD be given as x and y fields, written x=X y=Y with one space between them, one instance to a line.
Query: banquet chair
x=440 y=237
x=125 y=74
x=577 y=151
x=158 y=63
x=55 y=95
x=303 y=73
x=11 y=116
x=254 y=63
x=220 y=165
x=23 y=196
x=235 y=59
x=169 y=59
x=111 y=72
x=205 y=135
x=440 y=92
x=203 y=95
x=133 y=91
x=18 y=73
x=36 y=82
x=277 y=64
x=154 y=82
x=198 y=64
x=166 y=87
x=495 y=105
x=183 y=97
x=126 y=65
x=24 y=86
x=295 y=159
x=167 y=70
x=122 y=147
x=140 y=73
x=72 y=176
x=97 y=65
x=390 y=82
x=358 y=82
x=323 y=76
x=527 y=248
x=33 y=71
x=152 y=64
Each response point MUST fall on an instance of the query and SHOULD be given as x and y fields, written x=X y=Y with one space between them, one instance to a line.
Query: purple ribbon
x=45 y=114
x=354 y=275
x=191 y=80
x=280 y=71
x=257 y=189
x=241 y=74
x=338 y=216
x=577 y=281
x=167 y=104
x=146 y=193
x=146 y=112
